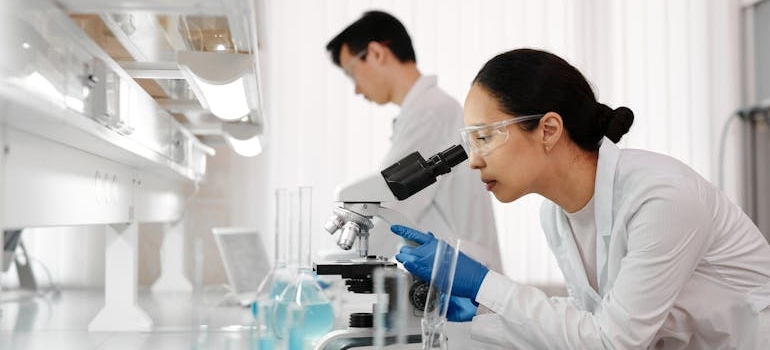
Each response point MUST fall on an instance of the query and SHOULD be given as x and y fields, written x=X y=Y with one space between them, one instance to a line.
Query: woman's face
x=511 y=169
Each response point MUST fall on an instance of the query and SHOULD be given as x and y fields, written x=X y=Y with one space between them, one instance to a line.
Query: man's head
x=375 y=26
x=369 y=50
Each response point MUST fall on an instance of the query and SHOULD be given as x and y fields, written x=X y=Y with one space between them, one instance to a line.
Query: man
x=376 y=53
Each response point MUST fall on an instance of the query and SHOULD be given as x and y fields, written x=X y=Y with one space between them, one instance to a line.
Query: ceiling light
x=223 y=82
x=243 y=138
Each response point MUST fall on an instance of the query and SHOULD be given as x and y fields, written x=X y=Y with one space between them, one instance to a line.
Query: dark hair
x=527 y=81
x=374 y=26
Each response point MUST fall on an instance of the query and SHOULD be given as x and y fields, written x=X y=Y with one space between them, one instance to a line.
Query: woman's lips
x=490 y=184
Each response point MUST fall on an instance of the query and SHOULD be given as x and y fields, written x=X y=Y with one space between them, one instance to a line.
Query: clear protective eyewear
x=482 y=139
x=348 y=68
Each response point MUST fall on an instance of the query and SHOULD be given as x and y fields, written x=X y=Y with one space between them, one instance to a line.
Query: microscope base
x=363 y=338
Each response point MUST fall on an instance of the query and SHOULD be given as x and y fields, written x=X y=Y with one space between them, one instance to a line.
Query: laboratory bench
x=59 y=320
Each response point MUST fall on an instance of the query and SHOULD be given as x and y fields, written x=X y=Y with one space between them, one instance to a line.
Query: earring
x=547 y=148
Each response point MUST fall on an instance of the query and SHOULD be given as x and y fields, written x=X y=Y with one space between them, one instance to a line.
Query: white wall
x=675 y=63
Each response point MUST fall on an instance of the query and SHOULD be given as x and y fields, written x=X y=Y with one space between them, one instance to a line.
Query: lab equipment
x=400 y=300
x=439 y=291
x=279 y=276
x=12 y=240
x=295 y=323
x=482 y=139
x=361 y=201
x=303 y=296
x=392 y=310
x=262 y=337
x=302 y=312
x=244 y=259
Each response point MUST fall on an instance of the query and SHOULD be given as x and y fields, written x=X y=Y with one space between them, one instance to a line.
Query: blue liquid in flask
x=317 y=316
x=278 y=286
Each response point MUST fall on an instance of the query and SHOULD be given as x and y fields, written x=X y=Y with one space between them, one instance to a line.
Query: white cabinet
x=51 y=184
x=81 y=143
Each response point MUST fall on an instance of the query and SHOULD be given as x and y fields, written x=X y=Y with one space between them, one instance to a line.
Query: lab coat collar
x=609 y=154
x=557 y=229
x=424 y=82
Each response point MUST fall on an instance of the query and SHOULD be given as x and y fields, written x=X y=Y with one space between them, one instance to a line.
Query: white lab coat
x=457 y=205
x=678 y=265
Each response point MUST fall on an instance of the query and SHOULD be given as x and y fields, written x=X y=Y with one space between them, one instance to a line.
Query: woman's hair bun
x=615 y=122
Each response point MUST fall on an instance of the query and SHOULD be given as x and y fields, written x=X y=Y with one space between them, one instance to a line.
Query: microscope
x=361 y=201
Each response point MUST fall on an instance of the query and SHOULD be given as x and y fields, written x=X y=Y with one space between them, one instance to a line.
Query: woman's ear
x=552 y=127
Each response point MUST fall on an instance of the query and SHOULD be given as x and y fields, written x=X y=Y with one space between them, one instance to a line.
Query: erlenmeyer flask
x=281 y=274
x=304 y=295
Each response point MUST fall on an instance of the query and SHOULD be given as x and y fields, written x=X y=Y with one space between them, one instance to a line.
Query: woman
x=654 y=256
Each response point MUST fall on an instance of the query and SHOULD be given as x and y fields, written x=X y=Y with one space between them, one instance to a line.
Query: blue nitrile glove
x=460 y=309
x=418 y=261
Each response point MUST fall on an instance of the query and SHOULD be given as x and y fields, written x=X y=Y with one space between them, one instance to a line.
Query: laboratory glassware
x=303 y=299
x=439 y=291
x=391 y=311
x=282 y=273
x=261 y=337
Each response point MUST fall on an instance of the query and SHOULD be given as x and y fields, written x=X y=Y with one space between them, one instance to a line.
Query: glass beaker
x=261 y=337
x=391 y=312
x=303 y=298
x=434 y=319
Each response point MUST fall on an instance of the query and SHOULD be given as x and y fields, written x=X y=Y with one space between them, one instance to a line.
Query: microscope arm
x=393 y=217
x=388 y=215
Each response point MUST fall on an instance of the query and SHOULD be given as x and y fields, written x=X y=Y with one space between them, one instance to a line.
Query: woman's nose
x=475 y=161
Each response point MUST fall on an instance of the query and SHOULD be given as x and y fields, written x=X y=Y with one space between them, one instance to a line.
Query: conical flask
x=281 y=274
x=303 y=298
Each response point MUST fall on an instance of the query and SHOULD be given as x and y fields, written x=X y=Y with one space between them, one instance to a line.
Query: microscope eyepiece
x=453 y=155
x=443 y=161
x=413 y=173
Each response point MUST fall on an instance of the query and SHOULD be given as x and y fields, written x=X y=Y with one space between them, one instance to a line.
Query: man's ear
x=552 y=127
x=376 y=51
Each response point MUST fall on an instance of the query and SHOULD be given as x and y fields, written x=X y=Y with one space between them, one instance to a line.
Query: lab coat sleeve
x=522 y=315
x=667 y=235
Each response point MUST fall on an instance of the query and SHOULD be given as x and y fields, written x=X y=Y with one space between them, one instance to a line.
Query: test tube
x=304 y=222
x=434 y=318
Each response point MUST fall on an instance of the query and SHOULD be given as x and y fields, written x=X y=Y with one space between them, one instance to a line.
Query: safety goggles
x=482 y=139
x=348 y=68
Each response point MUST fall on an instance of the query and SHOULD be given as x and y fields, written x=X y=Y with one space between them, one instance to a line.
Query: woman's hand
x=419 y=261
x=460 y=309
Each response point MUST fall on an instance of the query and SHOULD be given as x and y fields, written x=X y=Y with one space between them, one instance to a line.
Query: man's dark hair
x=374 y=26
